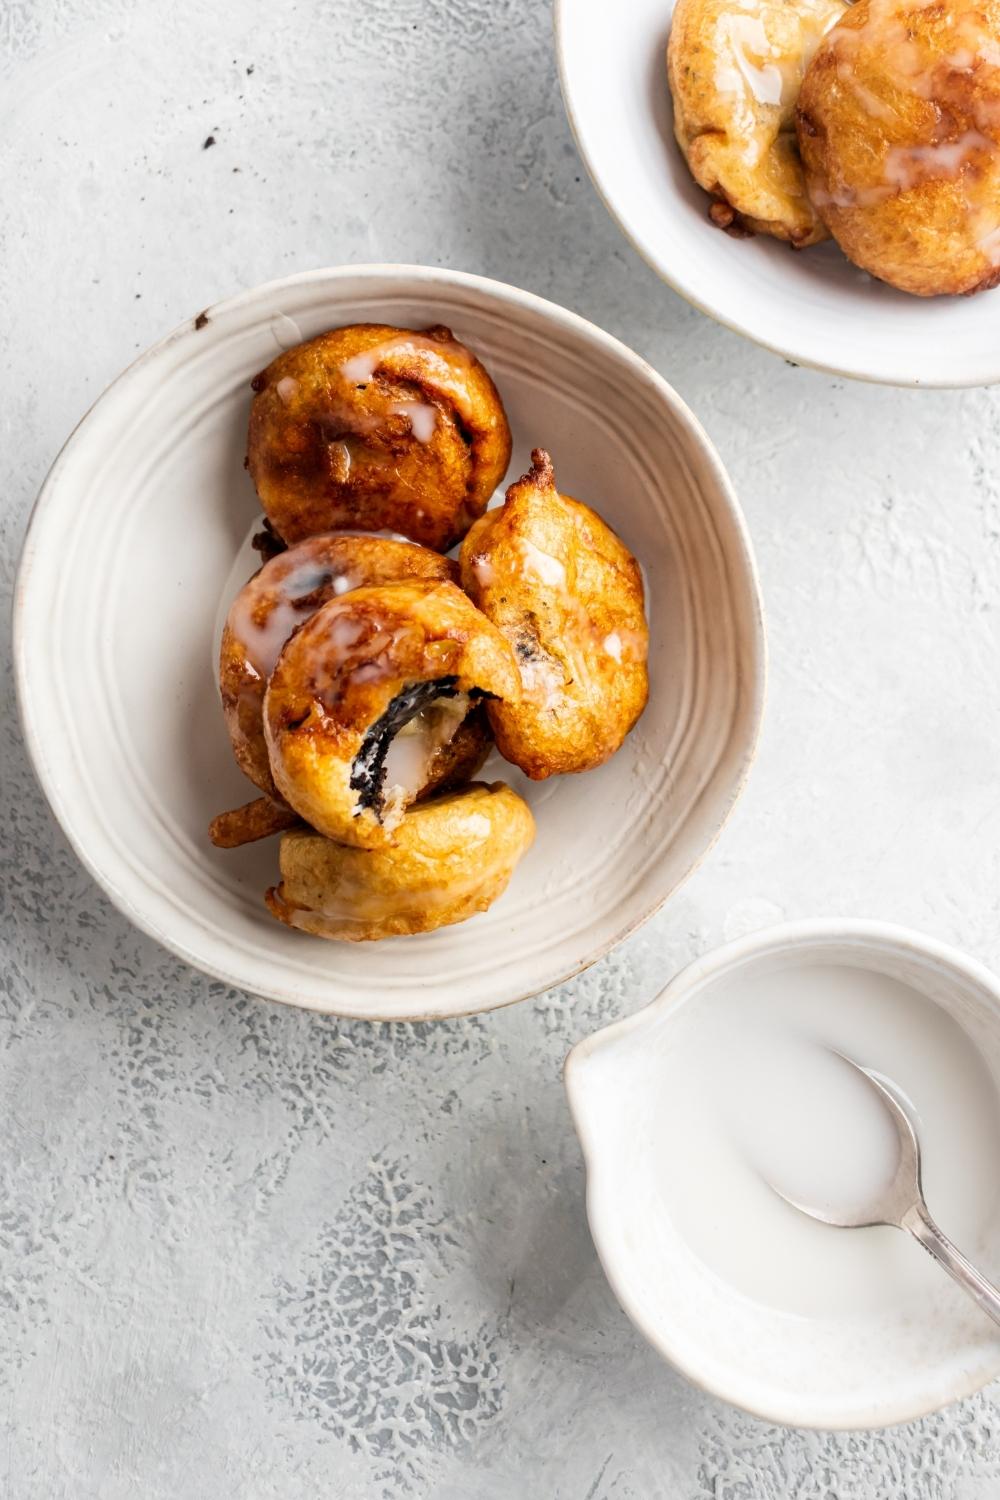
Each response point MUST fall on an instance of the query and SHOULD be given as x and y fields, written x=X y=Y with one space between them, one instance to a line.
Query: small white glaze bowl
x=139 y=539
x=812 y=306
x=871 y=1366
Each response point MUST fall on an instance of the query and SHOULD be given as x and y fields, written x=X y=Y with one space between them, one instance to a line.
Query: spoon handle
x=923 y=1228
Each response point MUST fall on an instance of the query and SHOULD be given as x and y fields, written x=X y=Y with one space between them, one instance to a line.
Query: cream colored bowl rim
x=859 y=937
x=415 y=277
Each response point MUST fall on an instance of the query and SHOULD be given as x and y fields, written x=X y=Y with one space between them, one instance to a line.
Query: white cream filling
x=411 y=751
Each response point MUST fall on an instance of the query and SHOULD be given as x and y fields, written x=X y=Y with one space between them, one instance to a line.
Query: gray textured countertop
x=247 y=1252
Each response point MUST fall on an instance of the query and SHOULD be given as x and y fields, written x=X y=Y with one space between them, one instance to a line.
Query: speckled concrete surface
x=246 y=1252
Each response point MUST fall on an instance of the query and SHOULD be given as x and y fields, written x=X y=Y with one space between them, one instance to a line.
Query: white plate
x=131 y=551
x=893 y=1345
x=812 y=306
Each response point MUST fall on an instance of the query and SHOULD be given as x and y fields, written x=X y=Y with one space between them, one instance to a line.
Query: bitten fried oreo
x=568 y=596
x=379 y=661
x=452 y=857
x=277 y=600
x=377 y=428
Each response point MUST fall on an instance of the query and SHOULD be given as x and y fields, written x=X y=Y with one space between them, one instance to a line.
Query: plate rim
x=901 y=379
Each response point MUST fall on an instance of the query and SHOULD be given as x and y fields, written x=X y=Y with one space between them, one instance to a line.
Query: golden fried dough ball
x=411 y=655
x=568 y=596
x=453 y=857
x=277 y=600
x=734 y=68
x=377 y=428
x=899 y=128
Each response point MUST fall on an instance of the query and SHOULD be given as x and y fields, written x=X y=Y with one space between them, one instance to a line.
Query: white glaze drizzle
x=267 y=610
x=422 y=417
x=543 y=565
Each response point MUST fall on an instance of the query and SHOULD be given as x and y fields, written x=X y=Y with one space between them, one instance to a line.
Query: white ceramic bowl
x=139 y=539
x=887 y=1359
x=813 y=306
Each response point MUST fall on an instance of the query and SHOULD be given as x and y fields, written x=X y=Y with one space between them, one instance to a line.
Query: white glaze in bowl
x=858 y=1361
x=812 y=306
x=132 y=546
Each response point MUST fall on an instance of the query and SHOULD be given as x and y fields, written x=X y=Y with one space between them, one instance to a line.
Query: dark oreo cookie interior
x=368 y=770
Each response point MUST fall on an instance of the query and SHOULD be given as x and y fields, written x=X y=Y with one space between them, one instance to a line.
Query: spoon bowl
x=902 y=1204
x=903 y=1193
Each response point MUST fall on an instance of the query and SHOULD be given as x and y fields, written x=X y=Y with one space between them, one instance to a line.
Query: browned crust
x=564 y=590
x=358 y=560
x=267 y=542
x=330 y=450
x=713 y=124
x=989 y=281
x=454 y=856
x=724 y=216
x=341 y=670
x=254 y=820
x=921 y=229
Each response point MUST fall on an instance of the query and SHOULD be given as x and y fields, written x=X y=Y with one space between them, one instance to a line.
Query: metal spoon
x=902 y=1204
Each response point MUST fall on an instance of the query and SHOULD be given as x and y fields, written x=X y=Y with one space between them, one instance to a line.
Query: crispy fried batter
x=267 y=542
x=899 y=129
x=452 y=857
x=568 y=595
x=348 y=686
x=734 y=68
x=254 y=820
x=378 y=428
x=277 y=600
